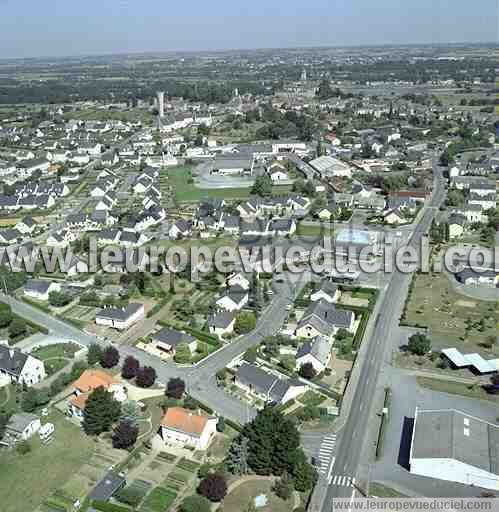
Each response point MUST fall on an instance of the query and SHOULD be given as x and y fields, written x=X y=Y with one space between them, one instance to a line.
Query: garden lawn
x=158 y=500
x=241 y=496
x=44 y=469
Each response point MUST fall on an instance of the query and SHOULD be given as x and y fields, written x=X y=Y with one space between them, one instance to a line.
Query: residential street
x=200 y=379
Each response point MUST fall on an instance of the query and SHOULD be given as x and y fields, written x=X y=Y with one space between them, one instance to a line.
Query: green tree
x=250 y=355
x=4 y=421
x=288 y=362
x=182 y=354
x=59 y=299
x=94 y=354
x=34 y=398
x=419 y=344
x=5 y=315
x=245 y=322
x=195 y=503
x=272 y=439
x=262 y=186
x=101 y=411
x=283 y=488
x=304 y=474
x=17 y=327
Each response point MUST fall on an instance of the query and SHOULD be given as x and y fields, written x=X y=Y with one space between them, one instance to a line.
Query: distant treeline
x=66 y=91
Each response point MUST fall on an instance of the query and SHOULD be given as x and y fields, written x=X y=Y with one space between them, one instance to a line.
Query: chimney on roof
x=11 y=352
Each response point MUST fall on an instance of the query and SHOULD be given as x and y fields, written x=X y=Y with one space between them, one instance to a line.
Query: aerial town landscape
x=294 y=375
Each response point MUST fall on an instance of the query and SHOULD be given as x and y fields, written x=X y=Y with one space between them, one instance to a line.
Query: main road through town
x=340 y=482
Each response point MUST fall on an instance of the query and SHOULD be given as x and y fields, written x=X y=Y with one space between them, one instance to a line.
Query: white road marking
x=341 y=480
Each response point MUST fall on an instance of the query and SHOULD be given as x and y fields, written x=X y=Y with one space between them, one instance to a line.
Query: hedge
x=357 y=340
x=202 y=406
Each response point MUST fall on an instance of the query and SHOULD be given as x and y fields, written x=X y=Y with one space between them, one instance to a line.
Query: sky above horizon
x=35 y=28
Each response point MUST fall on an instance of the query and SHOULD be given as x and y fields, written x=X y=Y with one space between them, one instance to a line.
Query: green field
x=46 y=468
x=453 y=319
x=179 y=179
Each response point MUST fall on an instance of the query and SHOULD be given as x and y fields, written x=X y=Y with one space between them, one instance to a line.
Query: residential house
x=323 y=319
x=20 y=368
x=317 y=352
x=238 y=279
x=168 y=340
x=394 y=217
x=456 y=225
x=40 y=289
x=10 y=236
x=221 y=323
x=282 y=227
x=328 y=291
x=234 y=299
x=469 y=276
x=185 y=428
x=89 y=381
x=21 y=427
x=265 y=386
x=26 y=226
x=181 y=228
x=120 y=318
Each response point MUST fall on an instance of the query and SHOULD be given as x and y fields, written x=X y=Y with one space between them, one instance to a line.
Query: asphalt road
x=200 y=379
x=341 y=479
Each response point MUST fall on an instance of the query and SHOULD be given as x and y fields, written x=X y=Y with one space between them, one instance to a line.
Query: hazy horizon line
x=248 y=49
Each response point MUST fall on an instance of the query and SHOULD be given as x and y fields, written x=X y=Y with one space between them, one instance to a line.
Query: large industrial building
x=452 y=445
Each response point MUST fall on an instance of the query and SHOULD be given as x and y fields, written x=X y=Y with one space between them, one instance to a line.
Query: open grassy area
x=56 y=357
x=180 y=180
x=46 y=467
x=314 y=230
x=457 y=388
x=453 y=319
x=240 y=498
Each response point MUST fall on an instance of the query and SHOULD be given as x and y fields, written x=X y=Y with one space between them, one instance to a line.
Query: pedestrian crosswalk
x=326 y=452
x=342 y=480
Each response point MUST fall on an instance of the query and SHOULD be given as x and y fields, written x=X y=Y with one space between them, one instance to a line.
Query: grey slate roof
x=319 y=348
x=37 y=285
x=18 y=422
x=173 y=337
x=12 y=360
x=221 y=320
x=324 y=317
x=119 y=313
x=263 y=382
x=110 y=484
x=455 y=435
